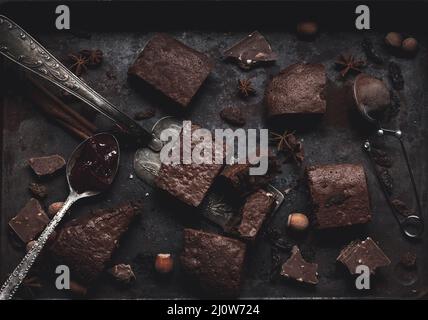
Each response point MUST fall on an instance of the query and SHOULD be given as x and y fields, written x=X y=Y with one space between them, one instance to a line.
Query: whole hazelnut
x=54 y=208
x=307 y=28
x=393 y=39
x=298 y=221
x=164 y=263
x=410 y=45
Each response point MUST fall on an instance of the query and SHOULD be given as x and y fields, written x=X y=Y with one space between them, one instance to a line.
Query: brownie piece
x=364 y=252
x=250 y=51
x=87 y=244
x=215 y=261
x=172 y=68
x=187 y=182
x=43 y=166
x=254 y=212
x=296 y=90
x=298 y=269
x=339 y=195
x=30 y=221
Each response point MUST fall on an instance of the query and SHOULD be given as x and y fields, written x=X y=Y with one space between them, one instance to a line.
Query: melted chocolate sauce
x=96 y=165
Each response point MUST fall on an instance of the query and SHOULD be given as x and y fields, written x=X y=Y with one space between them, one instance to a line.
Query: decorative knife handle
x=18 y=275
x=20 y=47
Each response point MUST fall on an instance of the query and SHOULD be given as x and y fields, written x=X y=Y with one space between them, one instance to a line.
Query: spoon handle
x=20 y=47
x=18 y=275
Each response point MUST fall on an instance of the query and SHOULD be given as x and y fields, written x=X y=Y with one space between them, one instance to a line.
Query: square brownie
x=187 y=182
x=339 y=195
x=297 y=90
x=172 y=68
x=215 y=261
x=255 y=210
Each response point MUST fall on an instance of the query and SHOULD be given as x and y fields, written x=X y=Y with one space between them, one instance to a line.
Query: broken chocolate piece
x=172 y=68
x=250 y=51
x=364 y=252
x=215 y=261
x=38 y=190
x=254 y=212
x=298 y=89
x=44 y=166
x=188 y=182
x=339 y=195
x=298 y=269
x=86 y=245
x=233 y=115
x=30 y=221
x=122 y=273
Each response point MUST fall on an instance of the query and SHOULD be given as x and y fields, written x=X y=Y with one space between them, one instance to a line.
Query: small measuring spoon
x=371 y=96
x=98 y=178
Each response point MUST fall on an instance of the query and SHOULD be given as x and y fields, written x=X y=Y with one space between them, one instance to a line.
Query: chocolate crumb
x=143 y=115
x=402 y=208
x=233 y=116
x=122 y=273
x=381 y=158
x=395 y=75
x=386 y=180
x=38 y=190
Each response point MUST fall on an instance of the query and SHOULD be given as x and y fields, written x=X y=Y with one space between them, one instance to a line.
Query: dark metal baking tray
x=336 y=139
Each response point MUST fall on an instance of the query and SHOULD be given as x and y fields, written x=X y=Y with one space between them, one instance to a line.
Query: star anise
x=94 y=57
x=347 y=62
x=289 y=143
x=245 y=87
x=78 y=64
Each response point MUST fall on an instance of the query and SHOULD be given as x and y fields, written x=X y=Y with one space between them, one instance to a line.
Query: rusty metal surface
x=335 y=139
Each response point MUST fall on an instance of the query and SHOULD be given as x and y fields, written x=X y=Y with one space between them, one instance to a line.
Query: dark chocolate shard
x=215 y=261
x=254 y=212
x=365 y=252
x=339 y=195
x=86 y=245
x=43 y=166
x=172 y=68
x=251 y=50
x=298 y=269
x=233 y=116
x=30 y=221
x=122 y=273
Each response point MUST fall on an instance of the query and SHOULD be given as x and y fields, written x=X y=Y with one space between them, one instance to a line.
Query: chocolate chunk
x=233 y=115
x=250 y=51
x=30 y=221
x=364 y=252
x=254 y=212
x=122 y=273
x=188 y=182
x=298 y=269
x=86 y=245
x=172 y=68
x=215 y=261
x=44 y=166
x=38 y=190
x=298 y=89
x=339 y=195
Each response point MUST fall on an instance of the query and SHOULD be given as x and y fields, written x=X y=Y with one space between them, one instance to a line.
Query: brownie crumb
x=233 y=116
x=38 y=190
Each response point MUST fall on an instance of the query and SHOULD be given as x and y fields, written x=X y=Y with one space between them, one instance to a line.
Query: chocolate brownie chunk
x=364 y=252
x=188 y=182
x=172 y=68
x=254 y=212
x=339 y=195
x=215 y=261
x=87 y=244
x=298 y=269
x=30 y=221
x=250 y=51
x=44 y=166
x=296 y=90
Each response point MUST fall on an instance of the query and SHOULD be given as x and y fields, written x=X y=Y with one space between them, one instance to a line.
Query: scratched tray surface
x=337 y=139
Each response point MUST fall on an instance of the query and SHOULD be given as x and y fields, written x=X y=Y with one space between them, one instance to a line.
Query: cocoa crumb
x=144 y=115
x=401 y=207
x=38 y=190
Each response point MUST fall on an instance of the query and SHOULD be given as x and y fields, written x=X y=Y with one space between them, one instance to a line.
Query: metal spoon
x=18 y=275
x=371 y=96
